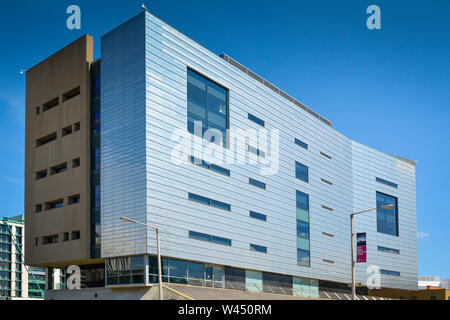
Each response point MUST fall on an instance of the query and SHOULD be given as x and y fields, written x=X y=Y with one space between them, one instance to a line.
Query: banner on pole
x=361 y=248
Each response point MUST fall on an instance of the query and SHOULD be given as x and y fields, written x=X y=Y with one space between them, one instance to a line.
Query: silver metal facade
x=144 y=100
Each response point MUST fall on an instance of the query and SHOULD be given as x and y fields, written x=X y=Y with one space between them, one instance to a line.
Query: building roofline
x=412 y=162
x=266 y=83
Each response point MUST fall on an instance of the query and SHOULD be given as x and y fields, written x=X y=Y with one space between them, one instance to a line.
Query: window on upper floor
x=258 y=248
x=75 y=162
x=75 y=235
x=388 y=183
x=209 y=238
x=207 y=106
x=301 y=143
x=258 y=216
x=301 y=171
x=210 y=166
x=47 y=139
x=70 y=94
x=41 y=174
x=50 y=239
x=256 y=120
x=256 y=151
x=74 y=199
x=389 y=250
x=387 y=220
x=59 y=168
x=65 y=131
x=257 y=183
x=390 y=272
x=51 y=104
x=54 y=204
x=209 y=202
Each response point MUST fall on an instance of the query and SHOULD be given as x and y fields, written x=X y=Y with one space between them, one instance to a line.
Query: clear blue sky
x=388 y=89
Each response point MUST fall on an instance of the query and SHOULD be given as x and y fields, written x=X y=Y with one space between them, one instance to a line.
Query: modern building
x=17 y=281
x=120 y=136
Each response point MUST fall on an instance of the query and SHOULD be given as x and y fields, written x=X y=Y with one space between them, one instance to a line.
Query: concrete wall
x=52 y=78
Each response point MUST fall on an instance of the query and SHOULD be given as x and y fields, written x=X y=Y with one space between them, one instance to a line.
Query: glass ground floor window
x=125 y=270
x=131 y=270
x=186 y=272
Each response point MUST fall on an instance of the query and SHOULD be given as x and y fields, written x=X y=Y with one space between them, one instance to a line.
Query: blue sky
x=388 y=89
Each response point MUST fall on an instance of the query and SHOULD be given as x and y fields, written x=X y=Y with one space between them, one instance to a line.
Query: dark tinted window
x=387 y=220
x=301 y=143
x=255 y=247
x=257 y=183
x=301 y=171
x=389 y=250
x=208 y=104
x=256 y=120
x=388 y=183
x=257 y=215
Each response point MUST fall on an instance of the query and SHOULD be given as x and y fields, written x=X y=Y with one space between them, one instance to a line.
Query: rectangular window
x=257 y=183
x=389 y=250
x=37 y=110
x=258 y=216
x=209 y=238
x=388 y=183
x=209 y=202
x=207 y=105
x=41 y=174
x=76 y=126
x=75 y=162
x=387 y=220
x=70 y=94
x=390 y=273
x=54 y=204
x=75 y=235
x=58 y=169
x=303 y=244
x=66 y=236
x=302 y=229
x=301 y=143
x=325 y=155
x=256 y=120
x=65 y=131
x=256 y=151
x=209 y=166
x=38 y=207
x=74 y=199
x=47 y=139
x=50 y=239
x=255 y=247
x=301 y=171
x=303 y=258
x=51 y=104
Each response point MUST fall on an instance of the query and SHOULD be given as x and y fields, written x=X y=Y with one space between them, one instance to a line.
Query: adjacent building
x=119 y=136
x=17 y=281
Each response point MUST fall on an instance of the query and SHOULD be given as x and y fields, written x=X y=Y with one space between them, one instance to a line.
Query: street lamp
x=352 y=238
x=125 y=219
